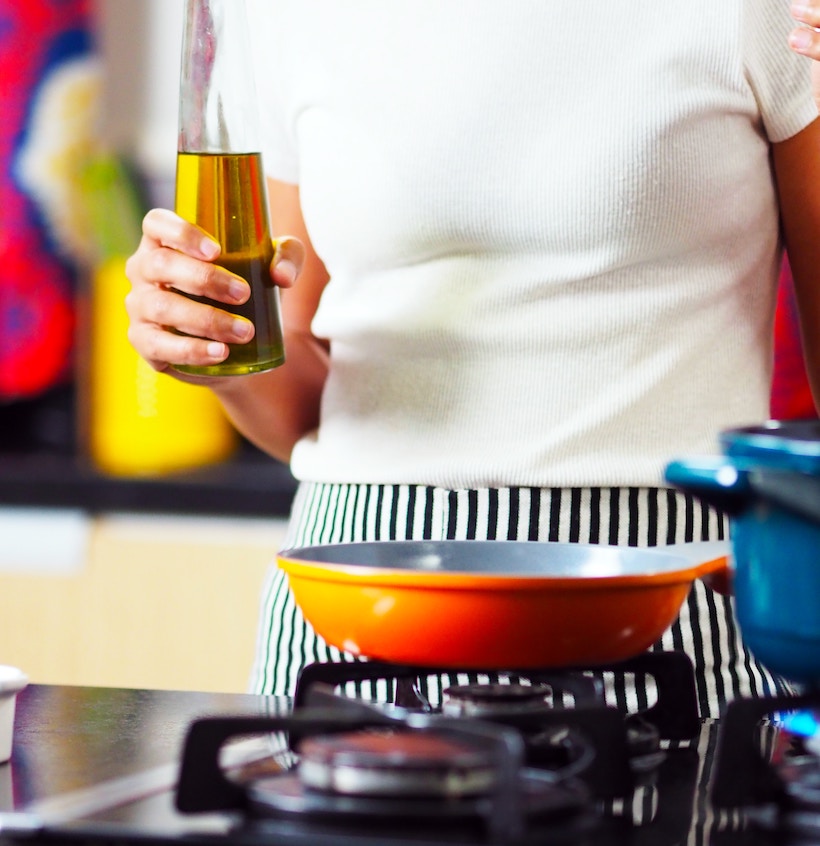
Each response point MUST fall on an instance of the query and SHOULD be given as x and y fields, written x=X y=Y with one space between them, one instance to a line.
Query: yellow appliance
x=137 y=421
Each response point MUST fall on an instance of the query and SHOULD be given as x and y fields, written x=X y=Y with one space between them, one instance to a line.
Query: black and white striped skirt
x=336 y=513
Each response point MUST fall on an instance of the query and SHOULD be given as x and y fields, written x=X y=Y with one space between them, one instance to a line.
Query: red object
x=791 y=397
x=37 y=314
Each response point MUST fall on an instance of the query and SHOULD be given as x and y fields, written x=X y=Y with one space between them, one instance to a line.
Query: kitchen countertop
x=250 y=484
x=68 y=738
x=42 y=465
x=78 y=749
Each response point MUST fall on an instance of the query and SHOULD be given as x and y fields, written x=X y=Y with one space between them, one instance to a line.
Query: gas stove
x=502 y=761
x=369 y=753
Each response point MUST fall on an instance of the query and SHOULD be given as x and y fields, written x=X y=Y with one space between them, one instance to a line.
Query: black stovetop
x=99 y=765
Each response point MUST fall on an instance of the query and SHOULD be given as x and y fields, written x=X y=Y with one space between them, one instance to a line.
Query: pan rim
x=295 y=562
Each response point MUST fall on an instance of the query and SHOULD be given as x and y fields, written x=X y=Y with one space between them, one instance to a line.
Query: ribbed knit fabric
x=551 y=230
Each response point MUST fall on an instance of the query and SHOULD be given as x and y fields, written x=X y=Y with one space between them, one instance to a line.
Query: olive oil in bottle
x=220 y=184
x=224 y=194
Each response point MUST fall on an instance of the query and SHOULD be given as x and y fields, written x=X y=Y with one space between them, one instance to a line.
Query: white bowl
x=12 y=681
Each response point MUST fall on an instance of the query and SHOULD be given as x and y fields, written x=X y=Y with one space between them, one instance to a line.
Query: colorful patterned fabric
x=37 y=278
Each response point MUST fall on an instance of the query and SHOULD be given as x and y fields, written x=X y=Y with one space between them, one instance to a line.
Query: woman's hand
x=273 y=409
x=175 y=256
x=805 y=38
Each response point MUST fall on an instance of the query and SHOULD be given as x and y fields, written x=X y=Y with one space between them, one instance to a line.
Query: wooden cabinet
x=133 y=600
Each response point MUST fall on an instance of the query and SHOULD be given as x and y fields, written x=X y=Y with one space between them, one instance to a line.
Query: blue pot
x=768 y=480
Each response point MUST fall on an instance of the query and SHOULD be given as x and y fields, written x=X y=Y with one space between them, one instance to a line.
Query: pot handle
x=716 y=481
x=798 y=493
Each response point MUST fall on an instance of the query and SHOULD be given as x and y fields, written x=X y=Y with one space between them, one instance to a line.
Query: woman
x=537 y=257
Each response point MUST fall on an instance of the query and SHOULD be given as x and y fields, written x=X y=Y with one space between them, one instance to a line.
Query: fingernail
x=800 y=40
x=287 y=269
x=798 y=10
x=242 y=329
x=238 y=290
x=209 y=248
x=216 y=350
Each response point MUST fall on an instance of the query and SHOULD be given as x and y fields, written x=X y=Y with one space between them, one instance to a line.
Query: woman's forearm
x=274 y=410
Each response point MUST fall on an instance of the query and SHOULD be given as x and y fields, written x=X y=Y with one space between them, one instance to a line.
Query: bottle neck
x=218 y=109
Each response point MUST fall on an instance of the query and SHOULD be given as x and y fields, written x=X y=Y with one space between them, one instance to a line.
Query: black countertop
x=42 y=464
x=250 y=484
x=97 y=765
x=80 y=750
x=70 y=738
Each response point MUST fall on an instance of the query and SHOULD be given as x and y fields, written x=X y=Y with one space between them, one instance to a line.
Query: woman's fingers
x=166 y=327
x=172 y=253
x=288 y=258
x=168 y=229
x=160 y=348
x=166 y=308
x=175 y=259
x=166 y=267
x=805 y=38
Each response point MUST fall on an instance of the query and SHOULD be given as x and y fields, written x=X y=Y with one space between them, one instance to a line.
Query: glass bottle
x=220 y=183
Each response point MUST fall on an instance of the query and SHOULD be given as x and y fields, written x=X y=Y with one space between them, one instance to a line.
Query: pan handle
x=706 y=554
x=712 y=559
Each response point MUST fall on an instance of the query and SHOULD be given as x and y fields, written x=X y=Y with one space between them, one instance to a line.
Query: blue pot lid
x=789 y=444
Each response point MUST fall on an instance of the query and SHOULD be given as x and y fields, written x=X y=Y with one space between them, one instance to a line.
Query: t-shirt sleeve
x=267 y=19
x=779 y=77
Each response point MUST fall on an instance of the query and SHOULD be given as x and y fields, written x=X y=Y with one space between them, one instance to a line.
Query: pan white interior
x=509 y=558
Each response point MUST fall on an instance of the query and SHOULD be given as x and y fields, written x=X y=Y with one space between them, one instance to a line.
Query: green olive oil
x=224 y=194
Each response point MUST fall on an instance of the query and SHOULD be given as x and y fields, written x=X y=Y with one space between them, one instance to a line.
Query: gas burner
x=674 y=714
x=487 y=701
x=368 y=765
x=539 y=758
x=561 y=715
x=548 y=742
x=804 y=726
x=286 y=797
x=506 y=702
x=398 y=762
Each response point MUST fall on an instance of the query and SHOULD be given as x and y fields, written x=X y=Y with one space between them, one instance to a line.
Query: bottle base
x=230 y=369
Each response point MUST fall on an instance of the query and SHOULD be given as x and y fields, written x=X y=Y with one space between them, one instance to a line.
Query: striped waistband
x=332 y=512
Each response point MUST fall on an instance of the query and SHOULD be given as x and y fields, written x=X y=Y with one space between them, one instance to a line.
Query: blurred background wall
x=139 y=41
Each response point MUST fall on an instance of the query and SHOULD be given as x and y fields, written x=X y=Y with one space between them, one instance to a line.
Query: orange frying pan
x=495 y=604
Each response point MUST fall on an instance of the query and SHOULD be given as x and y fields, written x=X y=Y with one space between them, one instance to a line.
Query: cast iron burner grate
x=626 y=748
x=513 y=799
x=488 y=791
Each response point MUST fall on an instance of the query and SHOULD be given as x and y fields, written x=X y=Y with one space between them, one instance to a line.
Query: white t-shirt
x=551 y=229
